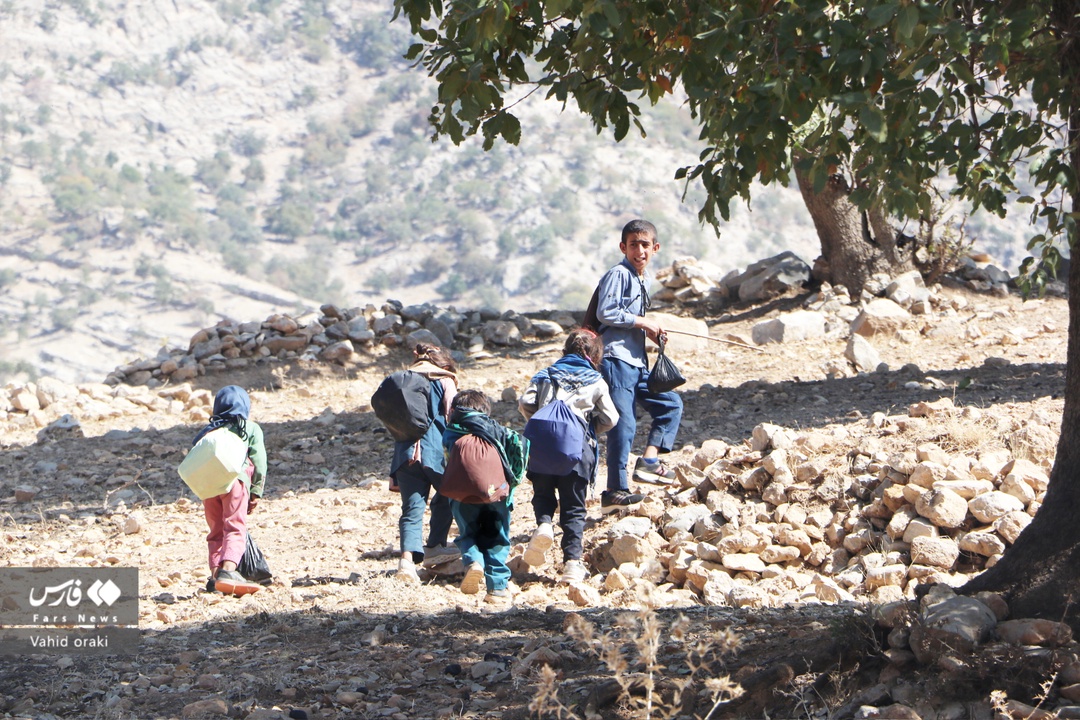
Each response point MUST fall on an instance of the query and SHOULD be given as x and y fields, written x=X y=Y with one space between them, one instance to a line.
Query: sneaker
x=440 y=555
x=406 y=571
x=616 y=500
x=656 y=473
x=535 y=554
x=231 y=582
x=574 y=571
x=474 y=577
x=499 y=597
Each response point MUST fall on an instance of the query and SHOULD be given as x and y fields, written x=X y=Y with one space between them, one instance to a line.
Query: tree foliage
x=896 y=93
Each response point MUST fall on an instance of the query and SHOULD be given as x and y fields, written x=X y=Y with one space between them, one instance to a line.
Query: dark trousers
x=571 y=491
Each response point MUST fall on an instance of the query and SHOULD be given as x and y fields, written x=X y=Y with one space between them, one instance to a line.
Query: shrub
x=248 y=143
x=254 y=174
x=75 y=196
x=376 y=43
x=325 y=145
x=361 y=118
x=305 y=98
x=63 y=318
x=454 y=287
x=292 y=217
x=212 y=172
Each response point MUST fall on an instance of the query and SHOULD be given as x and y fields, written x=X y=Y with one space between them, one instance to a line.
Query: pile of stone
x=690 y=280
x=338 y=335
x=771 y=524
x=57 y=407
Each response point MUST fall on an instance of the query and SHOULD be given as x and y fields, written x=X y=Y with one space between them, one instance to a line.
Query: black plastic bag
x=664 y=376
x=253 y=565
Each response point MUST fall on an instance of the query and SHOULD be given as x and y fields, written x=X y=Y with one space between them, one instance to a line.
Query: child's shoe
x=474 y=577
x=406 y=571
x=617 y=500
x=654 y=472
x=538 y=546
x=231 y=582
x=440 y=555
x=502 y=597
x=574 y=571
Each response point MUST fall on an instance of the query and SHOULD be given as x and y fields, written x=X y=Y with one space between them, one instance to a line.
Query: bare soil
x=338 y=636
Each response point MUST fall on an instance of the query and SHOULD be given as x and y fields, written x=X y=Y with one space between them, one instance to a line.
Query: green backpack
x=516 y=449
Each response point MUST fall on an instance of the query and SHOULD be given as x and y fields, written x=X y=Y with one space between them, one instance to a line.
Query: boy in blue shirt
x=622 y=301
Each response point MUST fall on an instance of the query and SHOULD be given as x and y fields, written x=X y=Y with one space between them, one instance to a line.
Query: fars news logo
x=69 y=596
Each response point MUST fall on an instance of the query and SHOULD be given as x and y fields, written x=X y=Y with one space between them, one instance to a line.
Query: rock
x=769 y=277
x=680 y=343
x=502 y=332
x=213 y=706
x=616 y=581
x=896 y=711
x=792 y=327
x=944 y=508
x=939 y=552
x=287 y=343
x=986 y=544
x=954 y=625
x=25 y=493
x=339 y=352
x=862 y=354
x=990 y=506
x=631 y=549
x=1035 y=631
x=131 y=525
x=894 y=575
x=545 y=329
x=880 y=317
x=943 y=407
x=1010 y=525
x=584 y=595
x=743 y=562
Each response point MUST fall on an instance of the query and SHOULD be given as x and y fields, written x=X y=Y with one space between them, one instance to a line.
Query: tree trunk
x=1038 y=575
x=854 y=245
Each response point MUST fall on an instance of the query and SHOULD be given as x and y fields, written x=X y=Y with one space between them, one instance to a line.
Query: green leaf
x=880 y=15
x=555 y=8
x=511 y=129
x=874 y=123
x=907 y=21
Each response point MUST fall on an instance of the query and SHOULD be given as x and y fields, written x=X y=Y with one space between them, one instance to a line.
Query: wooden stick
x=719 y=340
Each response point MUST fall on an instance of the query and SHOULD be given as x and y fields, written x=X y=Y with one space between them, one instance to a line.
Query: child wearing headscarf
x=226 y=514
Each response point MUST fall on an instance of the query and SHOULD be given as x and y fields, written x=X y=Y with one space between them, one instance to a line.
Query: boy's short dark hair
x=471 y=400
x=639 y=226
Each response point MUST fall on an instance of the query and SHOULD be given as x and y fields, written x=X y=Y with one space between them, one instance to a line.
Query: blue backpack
x=556 y=437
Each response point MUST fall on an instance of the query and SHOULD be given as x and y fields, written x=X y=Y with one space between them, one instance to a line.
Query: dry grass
x=631 y=654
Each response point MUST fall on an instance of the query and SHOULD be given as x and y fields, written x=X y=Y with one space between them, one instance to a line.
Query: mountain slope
x=167 y=163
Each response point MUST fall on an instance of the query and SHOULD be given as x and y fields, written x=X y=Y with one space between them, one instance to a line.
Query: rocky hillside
x=867 y=445
x=168 y=164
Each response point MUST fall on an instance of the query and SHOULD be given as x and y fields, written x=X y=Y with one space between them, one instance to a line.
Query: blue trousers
x=416 y=483
x=627 y=386
x=485 y=539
